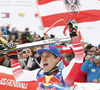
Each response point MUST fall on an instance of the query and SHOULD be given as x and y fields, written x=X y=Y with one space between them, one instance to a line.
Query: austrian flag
x=51 y=11
x=5 y=15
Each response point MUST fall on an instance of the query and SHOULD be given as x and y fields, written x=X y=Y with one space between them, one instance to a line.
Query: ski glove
x=72 y=25
x=11 y=45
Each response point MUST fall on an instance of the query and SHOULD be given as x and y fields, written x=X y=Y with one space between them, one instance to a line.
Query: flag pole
x=39 y=16
x=56 y=23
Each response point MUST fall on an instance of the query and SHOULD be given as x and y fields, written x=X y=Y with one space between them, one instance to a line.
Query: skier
x=50 y=77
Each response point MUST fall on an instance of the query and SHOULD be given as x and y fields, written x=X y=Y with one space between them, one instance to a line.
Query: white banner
x=87 y=86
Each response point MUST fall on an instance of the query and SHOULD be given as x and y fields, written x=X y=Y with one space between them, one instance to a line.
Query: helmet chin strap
x=52 y=71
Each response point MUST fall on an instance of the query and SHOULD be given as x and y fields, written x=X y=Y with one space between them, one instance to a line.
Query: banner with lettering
x=7 y=81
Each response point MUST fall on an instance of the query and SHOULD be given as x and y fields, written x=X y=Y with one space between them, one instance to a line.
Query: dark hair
x=26 y=28
x=52 y=36
x=99 y=46
x=16 y=41
x=26 y=41
x=89 y=46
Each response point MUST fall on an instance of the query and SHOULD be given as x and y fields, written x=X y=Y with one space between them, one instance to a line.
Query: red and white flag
x=5 y=15
x=52 y=10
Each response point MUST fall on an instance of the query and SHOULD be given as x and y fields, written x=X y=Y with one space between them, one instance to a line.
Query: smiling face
x=49 y=61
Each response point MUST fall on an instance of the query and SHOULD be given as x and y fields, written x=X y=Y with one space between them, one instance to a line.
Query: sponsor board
x=7 y=81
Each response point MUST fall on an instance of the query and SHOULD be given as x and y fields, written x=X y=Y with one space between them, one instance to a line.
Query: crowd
x=29 y=59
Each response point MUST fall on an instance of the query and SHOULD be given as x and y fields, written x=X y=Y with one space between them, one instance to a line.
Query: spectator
x=90 y=52
x=17 y=42
x=8 y=32
x=87 y=47
x=92 y=69
x=4 y=30
x=19 y=36
x=26 y=36
x=29 y=60
x=98 y=51
x=13 y=31
x=22 y=58
x=36 y=58
x=12 y=38
x=36 y=38
x=46 y=37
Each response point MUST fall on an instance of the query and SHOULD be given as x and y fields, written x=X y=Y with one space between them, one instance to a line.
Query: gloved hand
x=11 y=45
x=72 y=25
x=13 y=54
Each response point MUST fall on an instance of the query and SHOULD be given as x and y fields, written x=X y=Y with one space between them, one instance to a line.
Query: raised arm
x=23 y=76
x=69 y=73
x=19 y=74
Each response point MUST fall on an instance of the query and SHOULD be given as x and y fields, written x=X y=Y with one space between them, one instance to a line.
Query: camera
x=24 y=52
x=97 y=57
